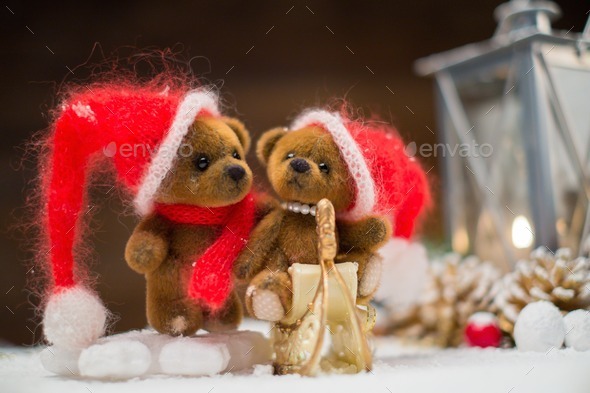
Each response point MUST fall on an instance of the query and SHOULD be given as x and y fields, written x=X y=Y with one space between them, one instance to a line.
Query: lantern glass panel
x=493 y=217
x=570 y=72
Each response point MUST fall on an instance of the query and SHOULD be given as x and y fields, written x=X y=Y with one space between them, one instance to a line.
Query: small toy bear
x=362 y=169
x=182 y=248
x=183 y=164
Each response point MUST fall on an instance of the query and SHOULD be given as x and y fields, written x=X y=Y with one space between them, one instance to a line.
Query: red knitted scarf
x=211 y=279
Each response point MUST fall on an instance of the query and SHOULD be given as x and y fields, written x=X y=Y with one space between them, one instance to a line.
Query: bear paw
x=371 y=277
x=145 y=252
x=378 y=231
x=174 y=317
x=266 y=304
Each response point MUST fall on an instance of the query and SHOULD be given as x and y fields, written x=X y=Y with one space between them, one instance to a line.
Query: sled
x=324 y=313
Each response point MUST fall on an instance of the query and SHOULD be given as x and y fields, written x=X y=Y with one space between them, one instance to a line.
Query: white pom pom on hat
x=74 y=318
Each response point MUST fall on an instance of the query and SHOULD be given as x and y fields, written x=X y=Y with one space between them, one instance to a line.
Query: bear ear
x=267 y=142
x=240 y=129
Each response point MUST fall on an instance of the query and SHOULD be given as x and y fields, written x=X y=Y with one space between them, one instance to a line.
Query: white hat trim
x=352 y=155
x=193 y=102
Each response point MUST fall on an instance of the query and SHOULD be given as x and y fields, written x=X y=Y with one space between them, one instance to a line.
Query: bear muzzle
x=300 y=165
x=235 y=172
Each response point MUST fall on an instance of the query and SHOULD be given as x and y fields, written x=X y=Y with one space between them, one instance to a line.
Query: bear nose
x=236 y=172
x=300 y=165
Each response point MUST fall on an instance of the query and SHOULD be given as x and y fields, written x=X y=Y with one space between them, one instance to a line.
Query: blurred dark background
x=272 y=58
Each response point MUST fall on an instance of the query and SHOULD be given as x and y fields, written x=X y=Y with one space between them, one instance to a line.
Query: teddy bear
x=167 y=244
x=362 y=169
x=182 y=163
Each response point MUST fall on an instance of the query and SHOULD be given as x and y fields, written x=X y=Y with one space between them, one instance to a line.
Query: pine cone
x=558 y=278
x=456 y=290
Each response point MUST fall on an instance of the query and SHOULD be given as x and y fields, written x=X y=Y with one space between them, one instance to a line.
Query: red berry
x=482 y=330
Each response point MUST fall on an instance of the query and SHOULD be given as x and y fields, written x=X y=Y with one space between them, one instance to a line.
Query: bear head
x=305 y=166
x=210 y=168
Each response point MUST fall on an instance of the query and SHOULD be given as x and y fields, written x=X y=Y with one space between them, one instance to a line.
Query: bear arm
x=367 y=234
x=265 y=204
x=148 y=245
x=263 y=241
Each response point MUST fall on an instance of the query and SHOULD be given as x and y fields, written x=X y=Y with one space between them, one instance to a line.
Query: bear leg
x=176 y=317
x=169 y=310
x=228 y=318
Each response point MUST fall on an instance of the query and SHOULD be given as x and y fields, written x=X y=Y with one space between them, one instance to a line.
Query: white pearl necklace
x=297 y=207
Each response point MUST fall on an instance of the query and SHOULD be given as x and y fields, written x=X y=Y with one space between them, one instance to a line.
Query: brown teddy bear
x=183 y=164
x=356 y=167
x=165 y=245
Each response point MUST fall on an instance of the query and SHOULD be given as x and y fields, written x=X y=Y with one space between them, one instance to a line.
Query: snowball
x=74 y=318
x=539 y=327
x=577 y=327
x=404 y=274
x=189 y=356
x=60 y=361
x=115 y=360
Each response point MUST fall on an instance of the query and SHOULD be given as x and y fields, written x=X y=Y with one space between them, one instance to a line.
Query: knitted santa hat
x=141 y=129
x=387 y=181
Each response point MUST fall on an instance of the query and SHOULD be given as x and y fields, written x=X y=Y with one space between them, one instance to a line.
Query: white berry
x=577 y=328
x=539 y=327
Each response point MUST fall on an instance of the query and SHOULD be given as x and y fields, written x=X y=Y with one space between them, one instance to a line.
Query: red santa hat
x=141 y=129
x=387 y=181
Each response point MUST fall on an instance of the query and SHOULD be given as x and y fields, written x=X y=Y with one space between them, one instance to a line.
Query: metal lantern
x=518 y=107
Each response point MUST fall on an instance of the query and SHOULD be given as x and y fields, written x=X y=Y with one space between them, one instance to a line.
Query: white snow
x=397 y=368
x=140 y=353
x=115 y=359
x=483 y=319
x=68 y=360
x=186 y=357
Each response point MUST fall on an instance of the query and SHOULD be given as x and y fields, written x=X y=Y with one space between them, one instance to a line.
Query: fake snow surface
x=397 y=368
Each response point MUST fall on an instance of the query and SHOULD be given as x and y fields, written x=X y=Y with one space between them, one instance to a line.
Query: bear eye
x=324 y=167
x=236 y=155
x=290 y=155
x=201 y=162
